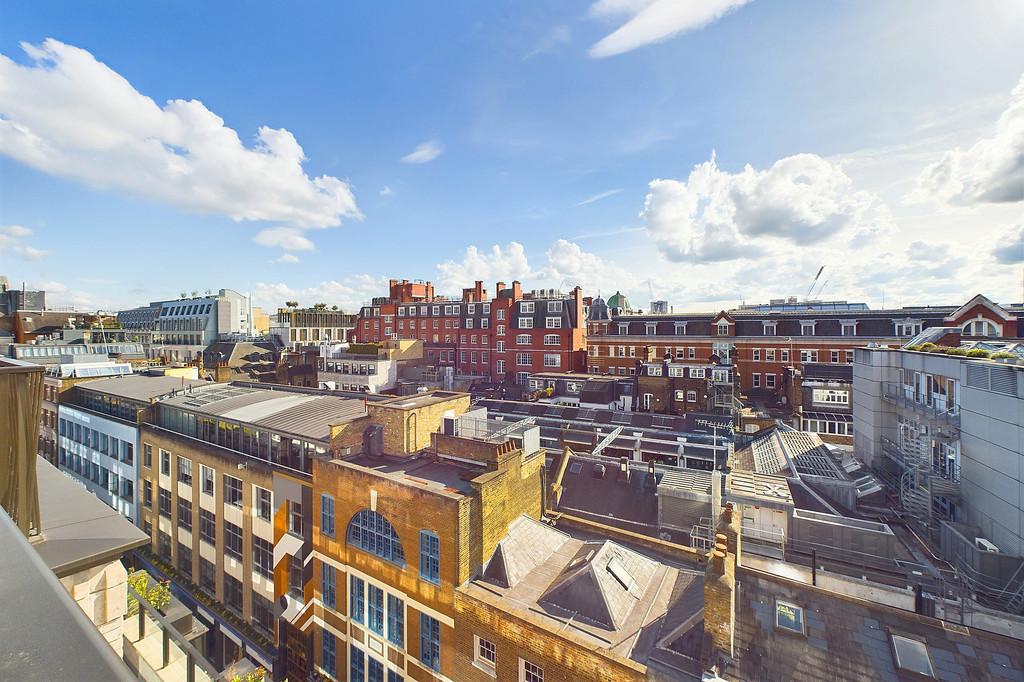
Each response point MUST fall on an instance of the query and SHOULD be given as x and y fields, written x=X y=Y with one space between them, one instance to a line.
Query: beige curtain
x=21 y=397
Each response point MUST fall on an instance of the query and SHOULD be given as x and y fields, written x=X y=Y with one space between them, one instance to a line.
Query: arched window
x=371 y=532
x=980 y=328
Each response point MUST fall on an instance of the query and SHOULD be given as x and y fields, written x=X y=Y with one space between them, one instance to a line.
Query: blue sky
x=547 y=151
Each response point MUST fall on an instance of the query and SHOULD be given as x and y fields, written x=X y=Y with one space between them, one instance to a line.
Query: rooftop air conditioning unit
x=985 y=545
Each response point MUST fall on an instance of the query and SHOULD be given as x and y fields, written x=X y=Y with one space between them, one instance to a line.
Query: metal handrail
x=193 y=657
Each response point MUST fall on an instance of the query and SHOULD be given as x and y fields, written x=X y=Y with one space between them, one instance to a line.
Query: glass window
x=147 y=494
x=528 y=672
x=396 y=620
x=430 y=556
x=185 y=560
x=185 y=514
x=357 y=665
x=232 y=593
x=165 y=503
x=912 y=655
x=185 y=470
x=372 y=533
x=374 y=670
x=263 y=504
x=207 y=576
x=295 y=518
x=262 y=557
x=789 y=616
x=327 y=515
x=232 y=491
x=357 y=600
x=328 y=658
x=232 y=540
x=328 y=594
x=375 y=610
x=208 y=527
x=430 y=642
x=207 y=474
x=263 y=614
x=486 y=652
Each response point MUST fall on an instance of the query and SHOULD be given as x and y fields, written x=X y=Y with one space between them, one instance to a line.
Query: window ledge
x=480 y=665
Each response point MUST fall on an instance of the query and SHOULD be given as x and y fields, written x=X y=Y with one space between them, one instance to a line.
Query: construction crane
x=813 y=282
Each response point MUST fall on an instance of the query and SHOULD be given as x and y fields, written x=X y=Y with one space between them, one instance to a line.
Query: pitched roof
x=602 y=583
x=527 y=545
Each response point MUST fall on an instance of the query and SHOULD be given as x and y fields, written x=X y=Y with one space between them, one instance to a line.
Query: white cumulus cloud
x=715 y=215
x=990 y=171
x=652 y=21
x=570 y=265
x=349 y=293
x=424 y=153
x=287 y=238
x=12 y=241
x=500 y=263
x=70 y=115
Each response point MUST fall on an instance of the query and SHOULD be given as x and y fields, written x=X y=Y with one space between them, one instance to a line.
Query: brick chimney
x=499 y=287
x=517 y=290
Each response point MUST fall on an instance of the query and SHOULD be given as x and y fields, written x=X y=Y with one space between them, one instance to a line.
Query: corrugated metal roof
x=140 y=386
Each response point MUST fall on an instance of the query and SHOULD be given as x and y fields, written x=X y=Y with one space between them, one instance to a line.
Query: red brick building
x=761 y=341
x=501 y=338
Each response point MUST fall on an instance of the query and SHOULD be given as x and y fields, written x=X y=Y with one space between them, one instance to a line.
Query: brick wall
x=518 y=636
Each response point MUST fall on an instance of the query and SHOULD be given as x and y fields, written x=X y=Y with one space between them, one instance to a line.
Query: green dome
x=618 y=300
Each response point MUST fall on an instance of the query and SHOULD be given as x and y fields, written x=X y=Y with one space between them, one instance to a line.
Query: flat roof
x=418 y=400
x=444 y=477
x=140 y=386
x=79 y=531
x=308 y=415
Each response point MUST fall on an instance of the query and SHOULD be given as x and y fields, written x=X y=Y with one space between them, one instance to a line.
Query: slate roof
x=849 y=640
x=603 y=583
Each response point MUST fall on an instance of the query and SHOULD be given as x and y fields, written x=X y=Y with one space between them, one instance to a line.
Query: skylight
x=912 y=655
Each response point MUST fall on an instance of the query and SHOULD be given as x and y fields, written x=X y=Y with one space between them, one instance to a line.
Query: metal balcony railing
x=934 y=408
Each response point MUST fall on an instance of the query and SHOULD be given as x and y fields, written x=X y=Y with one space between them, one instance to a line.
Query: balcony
x=933 y=408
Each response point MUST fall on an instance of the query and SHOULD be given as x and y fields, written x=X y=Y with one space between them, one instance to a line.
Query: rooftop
x=848 y=640
x=439 y=476
x=304 y=414
x=140 y=386
x=602 y=594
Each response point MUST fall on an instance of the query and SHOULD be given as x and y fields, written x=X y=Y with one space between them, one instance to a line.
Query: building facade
x=762 y=342
x=499 y=339
x=98 y=434
x=295 y=328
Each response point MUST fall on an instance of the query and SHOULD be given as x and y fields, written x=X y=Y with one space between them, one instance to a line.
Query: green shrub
x=956 y=351
x=978 y=353
x=1002 y=355
x=914 y=347
x=158 y=595
x=927 y=345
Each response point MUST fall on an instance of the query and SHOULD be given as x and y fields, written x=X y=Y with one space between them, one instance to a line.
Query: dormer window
x=623 y=328
x=807 y=328
x=680 y=328
x=723 y=328
x=980 y=328
x=849 y=328
x=651 y=328
x=770 y=328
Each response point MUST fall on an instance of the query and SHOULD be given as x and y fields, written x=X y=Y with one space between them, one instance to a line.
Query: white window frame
x=526 y=323
x=552 y=340
x=522 y=339
x=554 y=306
x=526 y=307
x=691 y=396
x=552 y=360
x=553 y=322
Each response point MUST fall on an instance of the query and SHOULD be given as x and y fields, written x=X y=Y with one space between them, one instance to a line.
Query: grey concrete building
x=947 y=433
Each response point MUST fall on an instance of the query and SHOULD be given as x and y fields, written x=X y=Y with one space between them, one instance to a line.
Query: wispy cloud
x=608 y=233
x=598 y=197
x=550 y=42
x=386 y=192
x=12 y=240
x=652 y=21
x=286 y=258
x=424 y=153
